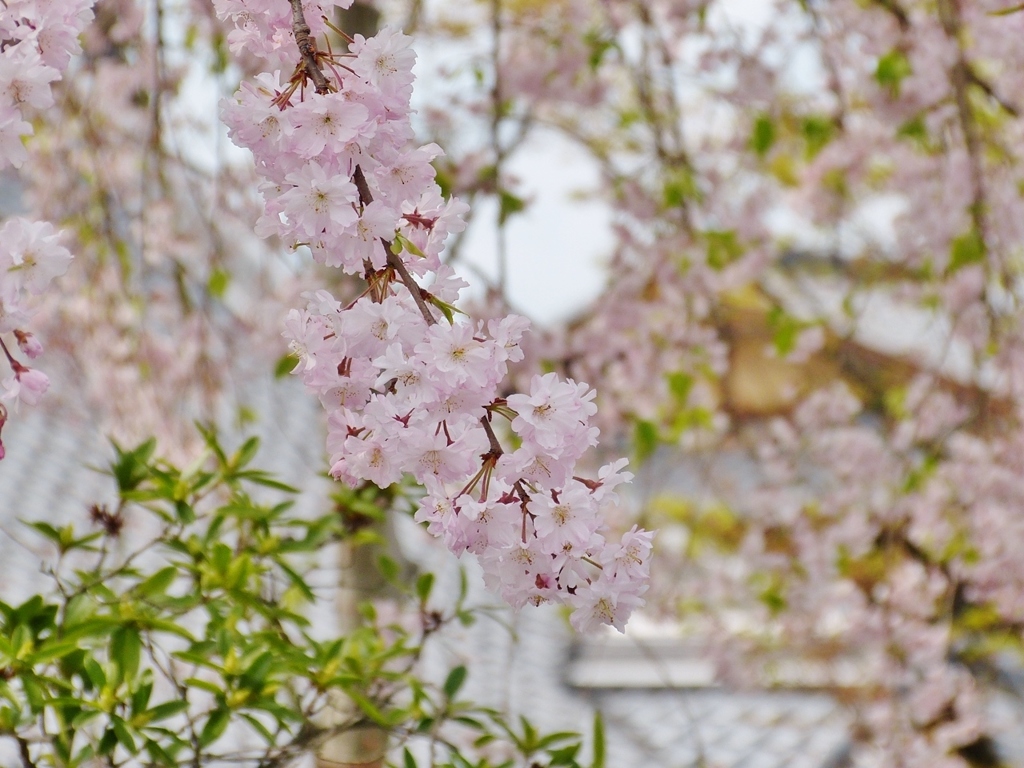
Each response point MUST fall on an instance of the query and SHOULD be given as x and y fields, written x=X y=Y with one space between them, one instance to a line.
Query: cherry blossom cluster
x=38 y=40
x=856 y=533
x=409 y=387
x=39 y=37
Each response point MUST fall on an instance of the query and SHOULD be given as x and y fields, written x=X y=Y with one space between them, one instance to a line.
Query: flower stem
x=307 y=48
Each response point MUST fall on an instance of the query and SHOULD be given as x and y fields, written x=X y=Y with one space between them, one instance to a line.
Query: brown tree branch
x=975 y=79
x=949 y=16
x=491 y=437
x=394 y=261
x=307 y=49
x=359 y=179
x=26 y=757
x=896 y=11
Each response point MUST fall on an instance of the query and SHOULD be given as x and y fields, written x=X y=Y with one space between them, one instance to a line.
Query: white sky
x=557 y=245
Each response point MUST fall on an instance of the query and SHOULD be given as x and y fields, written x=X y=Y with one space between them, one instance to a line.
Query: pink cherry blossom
x=31 y=254
x=317 y=201
x=408 y=388
x=39 y=39
x=27 y=385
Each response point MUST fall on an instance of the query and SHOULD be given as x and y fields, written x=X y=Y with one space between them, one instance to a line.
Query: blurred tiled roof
x=522 y=663
x=46 y=475
x=54 y=456
x=528 y=670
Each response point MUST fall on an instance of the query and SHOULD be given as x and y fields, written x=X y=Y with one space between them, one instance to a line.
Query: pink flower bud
x=34 y=384
x=28 y=344
x=30 y=385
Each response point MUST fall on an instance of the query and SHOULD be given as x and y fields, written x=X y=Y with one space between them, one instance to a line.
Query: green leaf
x=218 y=282
x=285 y=365
x=409 y=245
x=891 y=69
x=914 y=130
x=817 y=131
x=107 y=743
x=140 y=698
x=221 y=558
x=158 y=582
x=423 y=586
x=448 y=310
x=771 y=592
x=967 y=249
x=763 y=136
x=93 y=670
x=723 y=248
x=256 y=675
x=599 y=42
x=408 y=761
x=529 y=741
x=209 y=433
x=204 y=685
x=166 y=625
x=260 y=728
x=165 y=710
x=78 y=610
x=123 y=735
x=34 y=692
x=83 y=717
x=369 y=708
x=599 y=746
x=64 y=537
x=46 y=529
x=126 y=651
x=645 y=440
x=130 y=467
x=565 y=756
x=216 y=724
x=159 y=755
x=51 y=650
x=296 y=580
x=785 y=330
x=259 y=477
x=246 y=453
x=679 y=186
x=508 y=205
x=21 y=640
x=184 y=512
x=554 y=738
x=680 y=384
x=454 y=681
x=388 y=568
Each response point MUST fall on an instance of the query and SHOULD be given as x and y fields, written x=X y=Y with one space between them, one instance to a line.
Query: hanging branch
x=365 y=198
x=307 y=48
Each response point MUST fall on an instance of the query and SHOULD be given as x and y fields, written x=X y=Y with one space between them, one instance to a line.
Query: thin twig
x=14 y=363
x=26 y=757
x=359 y=179
x=974 y=78
x=896 y=11
x=960 y=78
x=491 y=437
x=395 y=262
x=307 y=49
